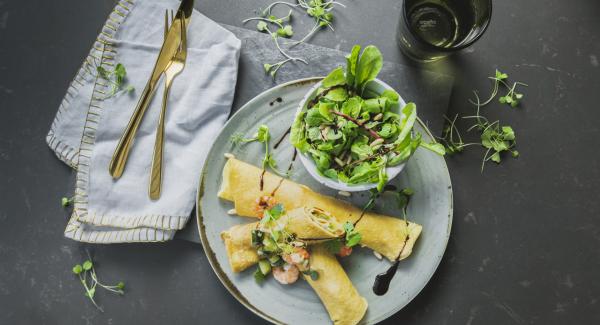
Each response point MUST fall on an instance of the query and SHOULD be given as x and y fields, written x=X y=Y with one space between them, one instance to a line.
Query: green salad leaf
x=353 y=133
x=351 y=62
x=335 y=78
x=368 y=67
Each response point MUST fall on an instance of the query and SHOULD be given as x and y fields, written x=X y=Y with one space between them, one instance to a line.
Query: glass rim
x=449 y=49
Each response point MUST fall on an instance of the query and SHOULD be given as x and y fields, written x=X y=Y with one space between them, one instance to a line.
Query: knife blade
x=168 y=49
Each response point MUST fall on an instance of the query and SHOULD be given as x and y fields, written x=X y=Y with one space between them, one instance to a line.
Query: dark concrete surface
x=525 y=244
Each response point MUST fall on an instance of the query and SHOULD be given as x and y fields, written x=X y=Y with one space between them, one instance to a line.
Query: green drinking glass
x=432 y=29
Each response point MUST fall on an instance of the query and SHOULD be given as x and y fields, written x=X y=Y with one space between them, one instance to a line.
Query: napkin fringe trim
x=63 y=151
x=102 y=53
x=76 y=231
x=162 y=222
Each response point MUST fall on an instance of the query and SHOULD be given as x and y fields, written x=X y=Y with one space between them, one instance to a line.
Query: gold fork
x=173 y=69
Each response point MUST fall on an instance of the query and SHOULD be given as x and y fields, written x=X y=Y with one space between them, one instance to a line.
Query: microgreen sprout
x=263 y=136
x=511 y=98
x=116 y=78
x=494 y=137
x=319 y=10
x=66 y=201
x=451 y=138
x=89 y=279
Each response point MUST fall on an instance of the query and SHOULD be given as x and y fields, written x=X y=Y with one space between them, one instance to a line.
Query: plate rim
x=216 y=266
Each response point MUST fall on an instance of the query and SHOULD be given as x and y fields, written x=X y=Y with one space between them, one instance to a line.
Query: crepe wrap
x=343 y=303
x=310 y=225
x=334 y=288
x=392 y=237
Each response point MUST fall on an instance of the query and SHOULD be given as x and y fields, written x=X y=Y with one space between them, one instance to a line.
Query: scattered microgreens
x=511 y=98
x=495 y=138
x=89 y=279
x=65 y=201
x=319 y=10
x=116 y=78
x=262 y=136
x=451 y=138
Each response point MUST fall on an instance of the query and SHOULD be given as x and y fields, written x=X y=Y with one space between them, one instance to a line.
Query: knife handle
x=119 y=158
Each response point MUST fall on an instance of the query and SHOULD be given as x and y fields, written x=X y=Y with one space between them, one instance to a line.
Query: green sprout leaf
x=500 y=75
x=286 y=31
x=353 y=237
x=87 y=265
x=267 y=67
x=65 y=201
x=263 y=134
x=77 y=269
x=261 y=26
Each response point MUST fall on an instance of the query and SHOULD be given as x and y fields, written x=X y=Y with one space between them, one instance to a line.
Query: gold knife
x=168 y=49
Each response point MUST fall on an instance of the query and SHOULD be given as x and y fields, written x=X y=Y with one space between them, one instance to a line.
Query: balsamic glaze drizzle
x=288 y=170
x=383 y=280
x=282 y=137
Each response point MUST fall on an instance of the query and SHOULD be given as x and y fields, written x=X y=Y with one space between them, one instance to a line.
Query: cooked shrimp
x=297 y=257
x=287 y=274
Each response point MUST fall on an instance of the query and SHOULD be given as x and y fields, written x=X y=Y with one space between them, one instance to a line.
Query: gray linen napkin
x=88 y=125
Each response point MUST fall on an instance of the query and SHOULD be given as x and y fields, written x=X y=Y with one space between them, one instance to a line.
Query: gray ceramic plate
x=431 y=207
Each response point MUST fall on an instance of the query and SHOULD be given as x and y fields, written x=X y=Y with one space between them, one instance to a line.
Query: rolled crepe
x=238 y=244
x=339 y=296
x=391 y=237
x=310 y=225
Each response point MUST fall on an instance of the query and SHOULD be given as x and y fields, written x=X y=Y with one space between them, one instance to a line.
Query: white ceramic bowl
x=376 y=86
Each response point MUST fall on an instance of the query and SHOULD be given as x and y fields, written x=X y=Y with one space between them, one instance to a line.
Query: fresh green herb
x=89 y=279
x=494 y=137
x=403 y=198
x=66 y=201
x=262 y=136
x=273 y=214
x=314 y=275
x=116 y=78
x=451 y=138
x=353 y=237
x=319 y=10
x=511 y=98
x=352 y=134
